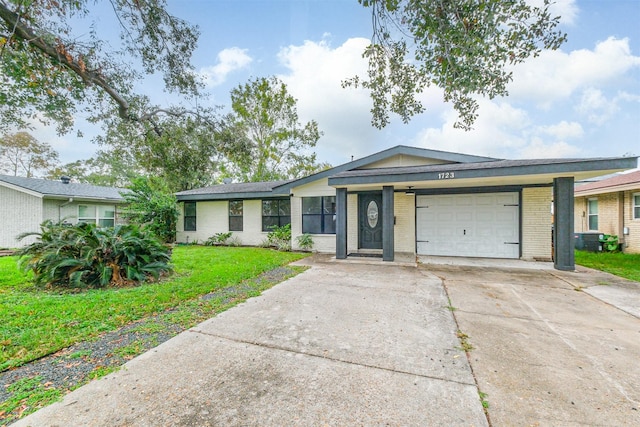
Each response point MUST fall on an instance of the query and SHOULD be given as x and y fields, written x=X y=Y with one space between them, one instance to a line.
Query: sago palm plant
x=85 y=255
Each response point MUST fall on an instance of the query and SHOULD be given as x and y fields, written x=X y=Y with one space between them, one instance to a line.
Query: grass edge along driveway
x=35 y=323
x=621 y=264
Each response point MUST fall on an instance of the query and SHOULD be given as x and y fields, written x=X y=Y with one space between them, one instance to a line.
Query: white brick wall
x=352 y=223
x=536 y=223
x=19 y=213
x=321 y=242
x=405 y=228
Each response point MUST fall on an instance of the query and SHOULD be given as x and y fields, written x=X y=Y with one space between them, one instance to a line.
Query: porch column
x=341 y=223
x=563 y=236
x=387 y=223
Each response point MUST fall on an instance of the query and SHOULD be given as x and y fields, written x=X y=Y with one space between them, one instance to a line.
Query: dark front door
x=370 y=220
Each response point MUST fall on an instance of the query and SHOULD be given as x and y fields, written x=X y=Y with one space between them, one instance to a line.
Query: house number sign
x=446 y=175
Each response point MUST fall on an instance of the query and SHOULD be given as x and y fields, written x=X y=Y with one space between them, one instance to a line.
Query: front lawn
x=618 y=263
x=35 y=322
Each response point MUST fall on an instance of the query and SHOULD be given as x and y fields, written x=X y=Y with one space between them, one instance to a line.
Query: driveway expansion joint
x=333 y=359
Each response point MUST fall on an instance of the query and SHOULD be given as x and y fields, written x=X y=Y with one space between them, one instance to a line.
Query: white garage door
x=471 y=225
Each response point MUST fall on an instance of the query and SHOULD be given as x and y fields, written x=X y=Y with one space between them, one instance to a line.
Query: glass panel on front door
x=372 y=214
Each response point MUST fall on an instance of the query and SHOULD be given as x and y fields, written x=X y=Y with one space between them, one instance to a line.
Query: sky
x=582 y=100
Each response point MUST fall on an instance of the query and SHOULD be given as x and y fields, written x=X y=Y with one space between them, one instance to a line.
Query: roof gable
x=430 y=157
x=48 y=188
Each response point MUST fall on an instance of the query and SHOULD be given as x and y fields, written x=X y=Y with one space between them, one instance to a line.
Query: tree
x=184 y=153
x=109 y=168
x=262 y=138
x=22 y=154
x=151 y=205
x=464 y=47
x=48 y=71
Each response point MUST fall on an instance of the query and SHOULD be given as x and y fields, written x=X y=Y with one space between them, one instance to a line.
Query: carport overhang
x=456 y=177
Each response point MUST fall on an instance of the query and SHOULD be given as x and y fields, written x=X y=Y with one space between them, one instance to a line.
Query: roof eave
x=613 y=164
x=230 y=196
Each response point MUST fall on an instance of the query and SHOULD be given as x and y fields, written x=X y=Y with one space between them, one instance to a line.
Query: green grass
x=36 y=322
x=618 y=263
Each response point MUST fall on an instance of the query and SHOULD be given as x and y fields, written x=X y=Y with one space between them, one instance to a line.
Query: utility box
x=589 y=241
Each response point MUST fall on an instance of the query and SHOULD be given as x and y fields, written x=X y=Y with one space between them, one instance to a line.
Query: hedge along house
x=409 y=200
x=26 y=202
x=611 y=206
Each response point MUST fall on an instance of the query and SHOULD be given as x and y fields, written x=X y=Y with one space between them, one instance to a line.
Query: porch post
x=387 y=223
x=563 y=236
x=341 y=223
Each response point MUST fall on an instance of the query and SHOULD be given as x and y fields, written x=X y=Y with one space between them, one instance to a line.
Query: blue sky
x=580 y=101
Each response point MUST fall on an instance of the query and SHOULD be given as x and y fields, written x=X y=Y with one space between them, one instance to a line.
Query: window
x=235 y=215
x=592 y=213
x=275 y=213
x=101 y=215
x=189 y=216
x=319 y=215
x=636 y=206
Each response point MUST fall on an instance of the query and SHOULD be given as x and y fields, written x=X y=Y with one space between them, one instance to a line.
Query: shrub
x=218 y=239
x=280 y=238
x=86 y=256
x=152 y=205
x=305 y=241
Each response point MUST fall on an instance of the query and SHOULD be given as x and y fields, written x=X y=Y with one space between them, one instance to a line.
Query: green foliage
x=610 y=243
x=262 y=139
x=86 y=256
x=218 y=239
x=618 y=263
x=151 y=205
x=465 y=47
x=177 y=148
x=37 y=322
x=108 y=168
x=305 y=241
x=23 y=155
x=50 y=65
x=280 y=238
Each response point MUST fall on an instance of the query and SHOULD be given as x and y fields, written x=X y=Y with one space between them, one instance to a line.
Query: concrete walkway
x=341 y=344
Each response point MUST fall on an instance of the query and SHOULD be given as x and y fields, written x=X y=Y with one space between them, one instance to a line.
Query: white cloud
x=229 y=60
x=503 y=131
x=496 y=133
x=563 y=130
x=566 y=9
x=315 y=73
x=537 y=148
x=556 y=75
x=595 y=105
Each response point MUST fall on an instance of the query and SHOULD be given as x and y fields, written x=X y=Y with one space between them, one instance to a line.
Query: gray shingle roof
x=59 y=189
x=233 y=190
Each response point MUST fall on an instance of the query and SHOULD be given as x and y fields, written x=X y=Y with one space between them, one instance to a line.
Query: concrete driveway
x=360 y=344
x=341 y=344
x=551 y=348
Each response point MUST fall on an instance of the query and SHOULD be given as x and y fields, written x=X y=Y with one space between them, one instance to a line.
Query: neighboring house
x=408 y=200
x=611 y=206
x=27 y=202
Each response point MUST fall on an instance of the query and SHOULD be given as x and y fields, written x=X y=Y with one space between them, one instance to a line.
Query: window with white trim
x=592 y=214
x=636 y=206
x=101 y=215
